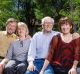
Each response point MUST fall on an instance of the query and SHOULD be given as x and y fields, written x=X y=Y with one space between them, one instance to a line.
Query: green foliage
x=6 y=11
x=32 y=11
x=72 y=11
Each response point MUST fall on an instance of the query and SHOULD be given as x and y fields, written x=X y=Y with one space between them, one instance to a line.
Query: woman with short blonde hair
x=15 y=61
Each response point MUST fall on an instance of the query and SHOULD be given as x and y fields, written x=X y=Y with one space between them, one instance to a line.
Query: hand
x=41 y=72
x=30 y=67
x=72 y=71
x=1 y=68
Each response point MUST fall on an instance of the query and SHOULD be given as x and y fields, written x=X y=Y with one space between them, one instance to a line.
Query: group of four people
x=48 y=52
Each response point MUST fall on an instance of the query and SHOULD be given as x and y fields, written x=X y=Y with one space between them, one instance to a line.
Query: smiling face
x=11 y=27
x=66 y=28
x=22 y=29
x=47 y=24
x=65 y=25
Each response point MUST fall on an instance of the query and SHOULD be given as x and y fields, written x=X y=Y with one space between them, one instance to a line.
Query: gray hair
x=47 y=18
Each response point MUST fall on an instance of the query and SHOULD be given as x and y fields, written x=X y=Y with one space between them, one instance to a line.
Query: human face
x=66 y=28
x=11 y=27
x=21 y=31
x=47 y=26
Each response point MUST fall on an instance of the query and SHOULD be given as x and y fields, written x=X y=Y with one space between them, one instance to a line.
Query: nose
x=64 y=25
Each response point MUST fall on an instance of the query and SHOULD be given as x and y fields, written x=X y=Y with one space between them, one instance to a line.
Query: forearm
x=45 y=65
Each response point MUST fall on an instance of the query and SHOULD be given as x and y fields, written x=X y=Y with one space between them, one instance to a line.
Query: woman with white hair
x=15 y=61
x=39 y=46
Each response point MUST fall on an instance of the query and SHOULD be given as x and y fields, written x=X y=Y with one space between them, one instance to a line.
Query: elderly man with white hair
x=39 y=46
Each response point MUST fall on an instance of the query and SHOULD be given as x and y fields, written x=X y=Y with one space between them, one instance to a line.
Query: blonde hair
x=46 y=19
x=11 y=20
x=22 y=24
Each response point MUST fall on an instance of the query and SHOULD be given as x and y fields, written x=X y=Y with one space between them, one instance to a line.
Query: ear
x=42 y=25
x=71 y=26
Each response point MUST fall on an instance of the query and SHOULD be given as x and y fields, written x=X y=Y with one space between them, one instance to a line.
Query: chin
x=10 y=32
x=48 y=30
x=65 y=33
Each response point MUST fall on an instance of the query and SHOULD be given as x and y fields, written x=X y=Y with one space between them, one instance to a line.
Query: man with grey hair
x=39 y=46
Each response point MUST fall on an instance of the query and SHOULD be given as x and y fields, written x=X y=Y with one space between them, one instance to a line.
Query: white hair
x=47 y=18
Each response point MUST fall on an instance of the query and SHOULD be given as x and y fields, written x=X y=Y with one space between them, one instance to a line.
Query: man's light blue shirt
x=39 y=45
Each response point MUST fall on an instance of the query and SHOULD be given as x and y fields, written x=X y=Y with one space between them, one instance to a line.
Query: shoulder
x=3 y=32
x=15 y=42
x=75 y=35
x=54 y=41
x=56 y=37
x=28 y=37
x=37 y=34
x=28 y=40
x=55 y=32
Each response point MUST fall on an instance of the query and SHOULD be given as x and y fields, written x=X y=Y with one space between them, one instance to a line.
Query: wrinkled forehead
x=12 y=24
x=48 y=20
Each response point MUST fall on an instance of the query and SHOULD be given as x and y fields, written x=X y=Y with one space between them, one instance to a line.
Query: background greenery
x=32 y=11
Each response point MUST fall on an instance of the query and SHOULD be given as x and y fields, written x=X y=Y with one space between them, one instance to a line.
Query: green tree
x=6 y=11
x=32 y=11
